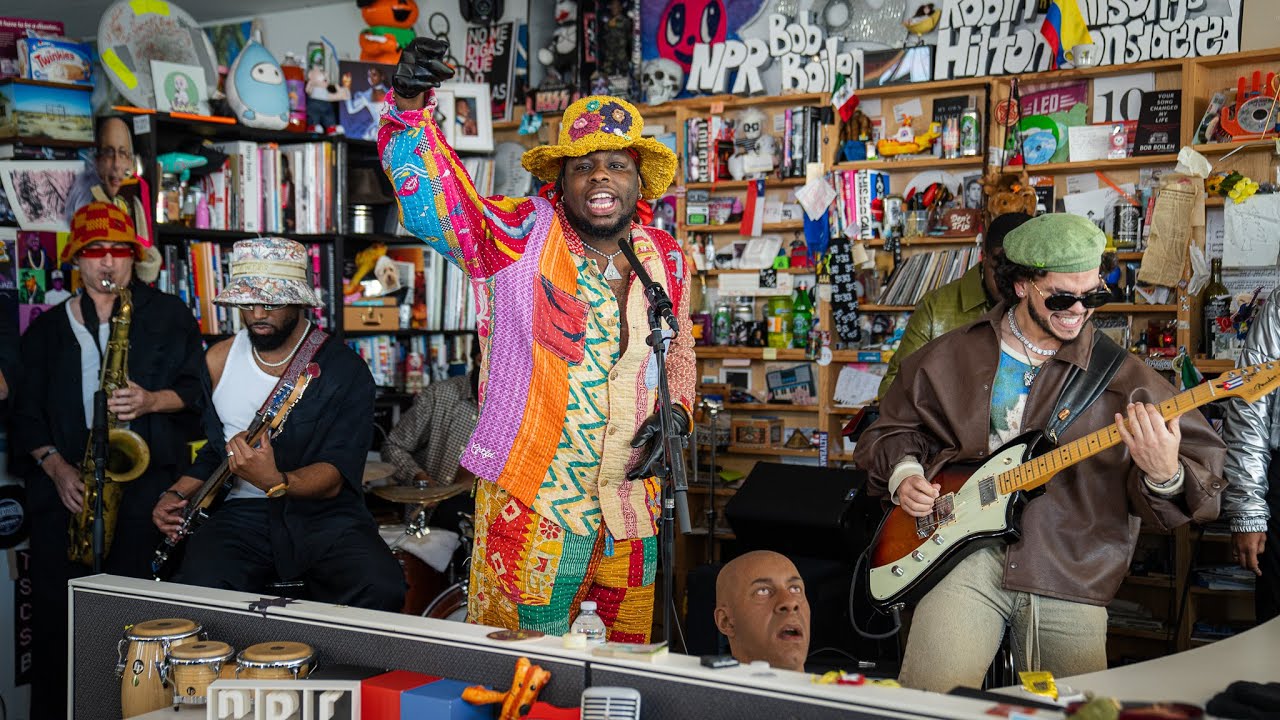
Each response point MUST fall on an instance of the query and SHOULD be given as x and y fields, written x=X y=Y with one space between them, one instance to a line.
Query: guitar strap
x=1083 y=387
x=306 y=351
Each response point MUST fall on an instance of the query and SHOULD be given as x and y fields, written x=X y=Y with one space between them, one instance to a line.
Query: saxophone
x=127 y=453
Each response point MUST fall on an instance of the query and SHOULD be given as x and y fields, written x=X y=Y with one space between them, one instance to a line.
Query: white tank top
x=241 y=391
x=90 y=362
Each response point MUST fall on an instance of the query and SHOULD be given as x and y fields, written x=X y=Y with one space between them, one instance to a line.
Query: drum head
x=203 y=650
x=276 y=653
x=163 y=629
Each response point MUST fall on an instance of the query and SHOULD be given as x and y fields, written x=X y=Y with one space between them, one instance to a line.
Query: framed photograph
x=179 y=88
x=974 y=198
x=37 y=191
x=367 y=84
x=736 y=378
x=472 y=119
x=444 y=114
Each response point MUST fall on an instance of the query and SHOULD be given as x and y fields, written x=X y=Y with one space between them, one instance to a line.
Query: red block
x=544 y=711
x=380 y=695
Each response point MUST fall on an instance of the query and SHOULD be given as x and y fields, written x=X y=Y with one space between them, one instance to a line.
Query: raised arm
x=439 y=203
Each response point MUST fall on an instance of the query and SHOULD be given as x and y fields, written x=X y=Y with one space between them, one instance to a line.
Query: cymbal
x=375 y=471
x=419 y=495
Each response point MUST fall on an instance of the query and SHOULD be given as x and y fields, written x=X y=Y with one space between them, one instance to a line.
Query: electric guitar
x=269 y=421
x=980 y=505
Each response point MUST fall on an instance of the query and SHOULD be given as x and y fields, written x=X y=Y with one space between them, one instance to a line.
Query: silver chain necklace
x=610 y=270
x=1029 y=376
x=297 y=345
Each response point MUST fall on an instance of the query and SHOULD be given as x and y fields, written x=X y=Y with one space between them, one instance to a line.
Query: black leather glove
x=650 y=435
x=421 y=67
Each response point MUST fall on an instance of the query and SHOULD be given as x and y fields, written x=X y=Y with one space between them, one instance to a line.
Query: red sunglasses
x=99 y=252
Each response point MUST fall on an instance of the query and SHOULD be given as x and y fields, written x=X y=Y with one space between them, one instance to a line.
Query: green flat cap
x=1056 y=242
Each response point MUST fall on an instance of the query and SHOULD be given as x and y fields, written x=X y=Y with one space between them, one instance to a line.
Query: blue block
x=442 y=700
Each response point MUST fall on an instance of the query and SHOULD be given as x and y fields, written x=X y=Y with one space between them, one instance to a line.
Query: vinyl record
x=1257 y=114
x=14 y=524
x=132 y=34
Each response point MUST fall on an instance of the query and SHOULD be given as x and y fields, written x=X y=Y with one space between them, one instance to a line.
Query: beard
x=276 y=338
x=1046 y=326
x=584 y=226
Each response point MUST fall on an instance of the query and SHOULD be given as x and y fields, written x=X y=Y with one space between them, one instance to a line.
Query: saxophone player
x=62 y=354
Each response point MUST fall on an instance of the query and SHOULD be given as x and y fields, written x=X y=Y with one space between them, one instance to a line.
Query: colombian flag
x=1063 y=29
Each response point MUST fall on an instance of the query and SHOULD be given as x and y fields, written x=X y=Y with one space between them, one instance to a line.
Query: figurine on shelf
x=921 y=23
x=1006 y=194
x=854 y=136
x=906 y=142
x=527 y=682
x=322 y=95
x=390 y=29
x=800 y=254
x=661 y=80
x=754 y=148
x=560 y=56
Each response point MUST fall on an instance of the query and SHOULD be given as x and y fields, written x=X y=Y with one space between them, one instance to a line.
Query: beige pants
x=956 y=629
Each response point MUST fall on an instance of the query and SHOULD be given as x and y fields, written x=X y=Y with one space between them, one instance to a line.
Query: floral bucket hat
x=268 y=271
x=603 y=122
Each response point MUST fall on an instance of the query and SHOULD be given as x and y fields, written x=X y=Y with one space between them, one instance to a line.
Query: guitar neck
x=1040 y=470
x=222 y=474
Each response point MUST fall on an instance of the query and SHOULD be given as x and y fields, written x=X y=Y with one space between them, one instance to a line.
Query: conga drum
x=190 y=668
x=275 y=661
x=140 y=659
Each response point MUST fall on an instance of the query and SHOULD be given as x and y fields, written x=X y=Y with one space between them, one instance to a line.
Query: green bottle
x=801 y=318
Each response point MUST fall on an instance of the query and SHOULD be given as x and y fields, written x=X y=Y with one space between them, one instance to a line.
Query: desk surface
x=1196 y=675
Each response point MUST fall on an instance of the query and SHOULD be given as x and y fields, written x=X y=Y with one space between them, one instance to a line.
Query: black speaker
x=802 y=510
x=481 y=12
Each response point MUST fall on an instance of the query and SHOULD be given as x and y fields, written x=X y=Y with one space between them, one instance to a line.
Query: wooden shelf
x=926 y=240
x=912 y=162
x=1137 y=308
x=1268 y=144
x=1159 y=581
x=1091 y=165
x=753 y=271
x=750 y=353
x=771 y=407
x=1210 y=592
x=744 y=184
x=886 y=308
x=784 y=226
x=182 y=232
x=1101 y=70
x=1128 y=256
x=721 y=533
x=771 y=452
x=1161 y=635
x=1214 y=366
x=705 y=102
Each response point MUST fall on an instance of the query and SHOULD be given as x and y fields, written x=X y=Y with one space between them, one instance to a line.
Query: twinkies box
x=56 y=61
x=39 y=112
x=11 y=29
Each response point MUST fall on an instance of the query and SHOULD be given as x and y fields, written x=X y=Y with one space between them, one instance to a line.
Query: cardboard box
x=12 y=28
x=757 y=432
x=40 y=112
x=366 y=317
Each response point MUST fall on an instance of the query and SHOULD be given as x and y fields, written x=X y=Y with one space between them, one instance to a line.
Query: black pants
x=244 y=546
x=132 y=546
x=1266 y=594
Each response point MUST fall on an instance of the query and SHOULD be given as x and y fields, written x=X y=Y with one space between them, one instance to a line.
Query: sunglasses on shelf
x=99 y=252
x=1065 y=301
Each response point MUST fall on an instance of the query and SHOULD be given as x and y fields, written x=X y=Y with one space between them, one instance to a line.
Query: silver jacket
x=1252 y=431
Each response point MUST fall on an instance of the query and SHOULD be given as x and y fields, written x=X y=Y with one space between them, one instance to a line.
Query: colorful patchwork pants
x=528 y=572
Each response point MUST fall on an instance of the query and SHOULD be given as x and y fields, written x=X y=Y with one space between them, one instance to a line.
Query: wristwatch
x=280 y=489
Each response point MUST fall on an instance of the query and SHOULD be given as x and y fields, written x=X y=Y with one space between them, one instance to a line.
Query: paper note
x=855 y=386
x=1170 y=234
x=815 y=197
x=1083 y=182
x=910 y=108
x=1245 y=282
x=749 y=284
x=1252 y=235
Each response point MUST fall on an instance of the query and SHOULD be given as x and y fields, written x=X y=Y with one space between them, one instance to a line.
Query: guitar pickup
x=944 y=513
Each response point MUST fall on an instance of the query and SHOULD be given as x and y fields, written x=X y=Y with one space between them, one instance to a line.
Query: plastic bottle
x=778 y=317
x=801 y=318
x=589 y=624
x=295 y=80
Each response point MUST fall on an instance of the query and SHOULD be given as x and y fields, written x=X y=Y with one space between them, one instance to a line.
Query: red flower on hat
x=584 y=125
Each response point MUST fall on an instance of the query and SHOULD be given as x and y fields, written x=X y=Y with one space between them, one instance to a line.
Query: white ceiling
x=81 y=16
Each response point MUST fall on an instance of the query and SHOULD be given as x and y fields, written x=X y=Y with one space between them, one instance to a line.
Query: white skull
x=661 y=79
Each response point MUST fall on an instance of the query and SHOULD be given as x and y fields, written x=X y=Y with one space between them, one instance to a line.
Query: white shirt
x=90 y=361
x=241 y=390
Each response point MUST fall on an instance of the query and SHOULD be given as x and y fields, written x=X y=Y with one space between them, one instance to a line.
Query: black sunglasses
x=1065 y=301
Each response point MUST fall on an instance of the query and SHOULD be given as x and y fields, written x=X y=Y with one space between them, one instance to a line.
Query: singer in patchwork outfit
x=567 y=440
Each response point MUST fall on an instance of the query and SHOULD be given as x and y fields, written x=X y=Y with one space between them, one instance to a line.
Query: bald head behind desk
x=761 y=607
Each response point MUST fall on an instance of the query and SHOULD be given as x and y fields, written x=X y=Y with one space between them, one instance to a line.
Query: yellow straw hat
x=603 y=122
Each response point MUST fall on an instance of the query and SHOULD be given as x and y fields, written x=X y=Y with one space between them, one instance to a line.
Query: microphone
x=658 y=298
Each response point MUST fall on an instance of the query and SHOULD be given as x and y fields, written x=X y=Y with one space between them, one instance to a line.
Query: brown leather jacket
x=1079 y=535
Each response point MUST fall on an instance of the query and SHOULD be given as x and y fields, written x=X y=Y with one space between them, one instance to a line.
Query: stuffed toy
x=1006 y=194
x=256 y=90
x=560 y=56
x=528 y=681
x=754 y=147
x=390 y=29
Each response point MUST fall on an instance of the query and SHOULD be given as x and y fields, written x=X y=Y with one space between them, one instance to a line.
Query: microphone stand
x=675 y=485
x=99 y=476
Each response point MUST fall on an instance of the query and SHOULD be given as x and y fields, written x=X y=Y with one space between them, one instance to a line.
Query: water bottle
x=589 y=623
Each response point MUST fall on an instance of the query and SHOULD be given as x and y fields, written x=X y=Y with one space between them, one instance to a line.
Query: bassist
x=966 y=394
x=296 y=507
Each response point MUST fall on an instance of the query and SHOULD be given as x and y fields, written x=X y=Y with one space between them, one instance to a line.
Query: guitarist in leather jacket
x=966 y=394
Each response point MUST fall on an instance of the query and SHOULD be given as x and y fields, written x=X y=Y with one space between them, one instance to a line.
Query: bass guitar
x=269 y=421
x=981 y=504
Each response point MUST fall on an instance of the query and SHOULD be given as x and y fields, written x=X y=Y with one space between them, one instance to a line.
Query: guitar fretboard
x=1038 y=471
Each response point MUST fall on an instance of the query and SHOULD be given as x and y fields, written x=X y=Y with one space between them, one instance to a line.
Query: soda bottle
x=722 y=325
x=589 y=623
x=801 y=318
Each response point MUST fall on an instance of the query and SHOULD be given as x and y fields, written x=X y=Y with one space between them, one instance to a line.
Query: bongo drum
x=190 y=668
x=275 y=661
x=140 y=658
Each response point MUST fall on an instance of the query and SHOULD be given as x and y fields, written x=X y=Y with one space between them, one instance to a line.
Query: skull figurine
x=661 y=79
